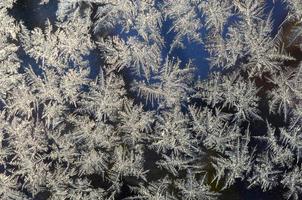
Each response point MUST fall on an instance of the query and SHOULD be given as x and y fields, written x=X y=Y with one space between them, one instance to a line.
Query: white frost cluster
x=146 y=127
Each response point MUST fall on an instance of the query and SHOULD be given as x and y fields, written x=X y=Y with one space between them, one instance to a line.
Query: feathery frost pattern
x=142 y=124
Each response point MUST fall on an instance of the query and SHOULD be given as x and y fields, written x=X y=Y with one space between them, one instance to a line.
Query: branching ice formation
x=146 y=122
